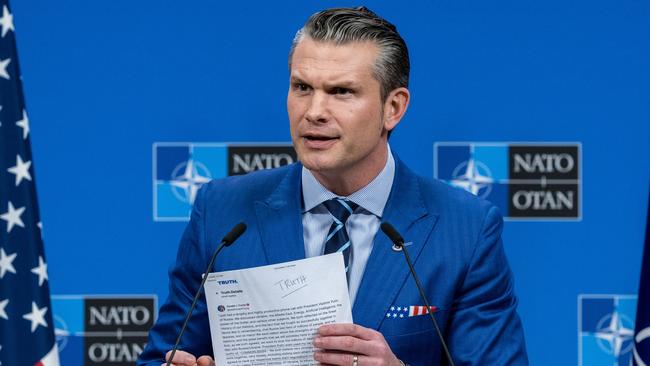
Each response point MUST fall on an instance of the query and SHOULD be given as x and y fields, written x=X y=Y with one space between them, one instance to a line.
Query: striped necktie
x=337 y=238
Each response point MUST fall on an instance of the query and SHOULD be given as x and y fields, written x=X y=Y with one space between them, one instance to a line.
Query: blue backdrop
x=104 y=80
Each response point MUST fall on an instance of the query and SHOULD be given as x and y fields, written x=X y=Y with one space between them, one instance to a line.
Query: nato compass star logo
x=188 y=177
x=102 y=330
x=643 y=335
x=473 y=176
x=480 y=169
x=526 y=181
x=180 y=169
x=614 y=331
x=606 y=329
x=61 y=332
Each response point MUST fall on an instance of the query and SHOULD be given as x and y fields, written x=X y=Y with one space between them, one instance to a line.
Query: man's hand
x=182 y=358
x=339 y=343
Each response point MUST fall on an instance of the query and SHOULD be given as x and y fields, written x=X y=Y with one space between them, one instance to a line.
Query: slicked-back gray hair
x=346 y=25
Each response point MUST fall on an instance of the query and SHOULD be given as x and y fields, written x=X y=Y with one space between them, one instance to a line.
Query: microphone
x=233 y=235
x=398 y=245
x=227 y=240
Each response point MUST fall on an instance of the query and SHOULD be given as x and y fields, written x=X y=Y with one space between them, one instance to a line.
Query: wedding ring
x=355 y=360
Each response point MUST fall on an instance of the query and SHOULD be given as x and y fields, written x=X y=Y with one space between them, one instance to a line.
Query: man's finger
x=181 y=358
x=334 y=358
x=346 y=344
x=205 y=361
x=347 y=330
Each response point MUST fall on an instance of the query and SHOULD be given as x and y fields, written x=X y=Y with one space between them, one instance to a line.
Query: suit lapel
x=279 y=220
x=386 y=270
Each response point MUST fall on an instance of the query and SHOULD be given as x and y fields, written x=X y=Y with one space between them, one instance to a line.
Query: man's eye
x=301 y=87
x=341 y=91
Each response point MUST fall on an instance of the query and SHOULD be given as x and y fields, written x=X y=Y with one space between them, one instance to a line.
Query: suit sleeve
x=485 y=329
x=184 y=280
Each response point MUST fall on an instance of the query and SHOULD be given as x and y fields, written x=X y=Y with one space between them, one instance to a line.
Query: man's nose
x=317 y=111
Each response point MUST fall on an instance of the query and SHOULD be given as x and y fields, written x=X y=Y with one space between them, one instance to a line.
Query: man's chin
x=318 y=165
x=315 y=160
x=316 y=168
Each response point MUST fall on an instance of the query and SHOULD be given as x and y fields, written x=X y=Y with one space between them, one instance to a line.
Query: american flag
x=26 y=328
x=641 y=351
x=408 y=311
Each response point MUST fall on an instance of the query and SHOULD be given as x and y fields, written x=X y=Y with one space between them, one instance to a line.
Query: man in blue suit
x=348 y=91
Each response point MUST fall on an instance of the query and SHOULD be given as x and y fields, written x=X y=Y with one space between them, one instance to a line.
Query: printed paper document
x=269 y=315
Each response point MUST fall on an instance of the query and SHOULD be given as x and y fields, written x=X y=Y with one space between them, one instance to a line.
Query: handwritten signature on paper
x=291 y=285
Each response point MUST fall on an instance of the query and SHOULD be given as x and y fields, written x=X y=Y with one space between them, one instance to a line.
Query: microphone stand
x=402 y=248
x=398 y=245
x=226 y=241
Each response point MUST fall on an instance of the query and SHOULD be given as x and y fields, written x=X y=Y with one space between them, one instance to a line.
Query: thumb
x=181 y=358
x=205 y=361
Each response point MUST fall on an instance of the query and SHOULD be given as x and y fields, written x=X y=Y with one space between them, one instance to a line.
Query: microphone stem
x=196 y=297
x=426 y=303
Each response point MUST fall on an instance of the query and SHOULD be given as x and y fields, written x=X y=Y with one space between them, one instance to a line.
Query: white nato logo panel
x=526 y=180
x=606 y=330
x=180 y=169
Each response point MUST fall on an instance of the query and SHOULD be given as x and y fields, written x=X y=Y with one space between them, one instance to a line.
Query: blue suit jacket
x=456 y=248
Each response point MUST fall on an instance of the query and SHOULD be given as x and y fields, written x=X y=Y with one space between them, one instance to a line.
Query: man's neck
x=344 y=182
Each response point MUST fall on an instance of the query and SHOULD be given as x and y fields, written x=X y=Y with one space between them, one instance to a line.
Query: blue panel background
x=104 y=80
x=168 y=158
x=496 y=158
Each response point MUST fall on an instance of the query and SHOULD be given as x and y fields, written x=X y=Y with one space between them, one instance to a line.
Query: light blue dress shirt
x=362 y=226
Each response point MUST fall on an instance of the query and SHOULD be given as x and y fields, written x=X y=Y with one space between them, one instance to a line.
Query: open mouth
x=319 y=141
x=319 y=138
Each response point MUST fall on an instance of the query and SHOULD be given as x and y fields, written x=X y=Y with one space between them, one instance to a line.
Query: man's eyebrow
x=342 y=84
x=297 y=80
x=329 y=84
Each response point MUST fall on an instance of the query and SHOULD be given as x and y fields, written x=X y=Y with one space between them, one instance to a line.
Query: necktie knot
x=340 y=209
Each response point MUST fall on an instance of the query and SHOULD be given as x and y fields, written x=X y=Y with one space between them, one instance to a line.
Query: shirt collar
x=372 y=197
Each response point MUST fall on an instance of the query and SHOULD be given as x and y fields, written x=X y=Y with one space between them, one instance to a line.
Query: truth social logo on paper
x=181 y=168
x=102 y=330
x=527 y=181
x=606 y=329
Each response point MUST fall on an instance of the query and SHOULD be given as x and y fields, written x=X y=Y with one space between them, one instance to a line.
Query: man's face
x=335 y=108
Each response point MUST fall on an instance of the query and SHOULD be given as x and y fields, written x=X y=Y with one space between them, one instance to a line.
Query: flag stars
x=21 y=170
x=12 y=217
x=3 y=306
x=3 y=68
x=40 y=271
x=7 y=21
x=37 y=316
x=6 y=263
x=24 y=124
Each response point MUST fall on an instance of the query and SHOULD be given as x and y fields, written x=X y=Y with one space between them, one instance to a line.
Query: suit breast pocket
x=417 y=348
x=398 y=322
x=413 y=339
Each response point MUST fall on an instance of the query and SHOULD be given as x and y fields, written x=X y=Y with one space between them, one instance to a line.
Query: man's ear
x=395 y=106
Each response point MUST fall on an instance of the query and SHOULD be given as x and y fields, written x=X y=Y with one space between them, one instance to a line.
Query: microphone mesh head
x=392 y=233
x=234 y=233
